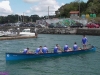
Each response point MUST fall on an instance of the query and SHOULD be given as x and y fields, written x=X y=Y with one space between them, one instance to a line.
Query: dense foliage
x=16 y=18
x=91 y=7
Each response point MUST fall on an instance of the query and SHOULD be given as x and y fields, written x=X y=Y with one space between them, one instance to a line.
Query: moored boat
x=27 y=32
x=21 y=56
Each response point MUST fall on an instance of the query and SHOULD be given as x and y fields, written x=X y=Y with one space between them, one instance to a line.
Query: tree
x=33 y=18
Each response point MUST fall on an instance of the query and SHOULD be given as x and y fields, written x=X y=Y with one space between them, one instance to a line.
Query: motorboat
x=26 y=32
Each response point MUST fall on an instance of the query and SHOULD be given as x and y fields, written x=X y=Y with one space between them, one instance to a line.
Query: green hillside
x=91 y=7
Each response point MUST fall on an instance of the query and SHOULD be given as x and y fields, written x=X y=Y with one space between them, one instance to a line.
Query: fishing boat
x=21 y=56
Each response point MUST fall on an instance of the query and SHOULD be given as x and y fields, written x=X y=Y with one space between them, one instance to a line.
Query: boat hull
x=26 y=32
x=21 y=56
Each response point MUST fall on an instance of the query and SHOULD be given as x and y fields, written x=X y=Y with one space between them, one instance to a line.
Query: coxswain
x=84 y=42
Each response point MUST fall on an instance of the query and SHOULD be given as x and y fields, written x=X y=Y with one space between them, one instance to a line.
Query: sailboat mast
x=48 y=12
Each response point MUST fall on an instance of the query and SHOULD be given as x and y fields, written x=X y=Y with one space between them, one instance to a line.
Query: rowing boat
x=21 y=56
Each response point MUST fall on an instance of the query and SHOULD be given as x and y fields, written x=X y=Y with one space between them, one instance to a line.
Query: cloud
x=5 y=0
x=41 y=8
x=31 y=1
x=5 y=8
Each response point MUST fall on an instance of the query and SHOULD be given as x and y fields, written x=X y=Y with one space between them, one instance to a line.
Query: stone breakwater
x=78 y=31
x=88 y=31
x=56 y=31
x=43 y=30
x=91 y=31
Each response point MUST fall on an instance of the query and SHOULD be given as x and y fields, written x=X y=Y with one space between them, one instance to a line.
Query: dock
x=16 y=37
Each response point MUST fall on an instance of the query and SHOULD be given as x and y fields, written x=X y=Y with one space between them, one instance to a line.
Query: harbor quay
x=16 y=37
x=89 y=31
x=57 y=31
x=68 y=30
x=75 y=31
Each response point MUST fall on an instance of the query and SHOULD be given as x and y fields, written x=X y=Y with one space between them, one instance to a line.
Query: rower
x=38 y=50
x=26 y=50
x=56 y=49
x=75 y=47
x=45 y=49
x=66 y=48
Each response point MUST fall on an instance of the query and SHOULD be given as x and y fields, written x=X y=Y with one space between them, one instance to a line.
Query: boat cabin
x=26 y=30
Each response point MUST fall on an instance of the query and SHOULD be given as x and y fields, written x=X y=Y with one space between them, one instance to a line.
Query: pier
x=16 y=37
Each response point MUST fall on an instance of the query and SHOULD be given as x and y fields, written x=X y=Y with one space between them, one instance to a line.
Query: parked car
x=92 y=25
x=60 y=26
x=40 y=26
x=98 y=23
x=51 y=25
x=77 y=25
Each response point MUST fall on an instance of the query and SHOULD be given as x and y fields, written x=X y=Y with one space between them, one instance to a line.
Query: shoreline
x=65 y=31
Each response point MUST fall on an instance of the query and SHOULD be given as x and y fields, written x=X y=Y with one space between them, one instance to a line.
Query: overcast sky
x=31 y=7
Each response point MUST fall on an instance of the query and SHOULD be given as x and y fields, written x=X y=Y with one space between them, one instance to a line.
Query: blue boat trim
x=21 y=56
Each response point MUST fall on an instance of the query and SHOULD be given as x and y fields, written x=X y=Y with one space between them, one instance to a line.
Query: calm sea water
x=82 y=64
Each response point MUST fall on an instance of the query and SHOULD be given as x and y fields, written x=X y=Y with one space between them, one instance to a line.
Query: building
x=74 y=14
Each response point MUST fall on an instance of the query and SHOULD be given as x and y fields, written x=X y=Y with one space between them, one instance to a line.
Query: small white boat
x=26 y=32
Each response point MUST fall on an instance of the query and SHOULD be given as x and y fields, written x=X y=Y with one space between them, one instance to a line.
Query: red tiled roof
x=74 y=12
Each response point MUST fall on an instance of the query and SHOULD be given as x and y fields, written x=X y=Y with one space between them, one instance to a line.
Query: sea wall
x=78 y=31
x=56 y=31
x=94 y=31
